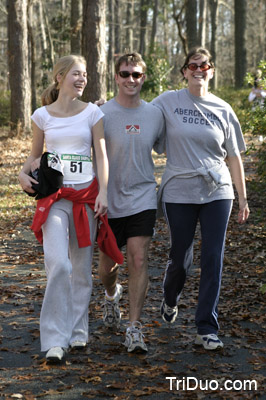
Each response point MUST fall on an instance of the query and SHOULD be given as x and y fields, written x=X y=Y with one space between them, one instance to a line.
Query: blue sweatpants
x=182 y=220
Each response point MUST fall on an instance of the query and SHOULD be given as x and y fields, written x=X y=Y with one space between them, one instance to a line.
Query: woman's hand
x=102 y=168
x=33 y=161
x=35 y=164
x=238 y=175
x=26 y=182
x=100 y=102
x=100 y=207
x=243 y=211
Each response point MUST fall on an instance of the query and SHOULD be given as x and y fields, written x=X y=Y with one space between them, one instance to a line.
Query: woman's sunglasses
x=203 y=67
x=126 y=74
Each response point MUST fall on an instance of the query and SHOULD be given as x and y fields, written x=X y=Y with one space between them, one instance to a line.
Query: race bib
x=77 y=167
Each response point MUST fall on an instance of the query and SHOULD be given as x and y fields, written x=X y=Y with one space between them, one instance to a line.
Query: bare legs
x=137 y=262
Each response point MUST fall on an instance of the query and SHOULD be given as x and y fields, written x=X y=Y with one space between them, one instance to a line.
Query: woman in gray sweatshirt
x=202 y=133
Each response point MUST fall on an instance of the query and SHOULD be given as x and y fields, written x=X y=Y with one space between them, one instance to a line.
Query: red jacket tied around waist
x=105 y=237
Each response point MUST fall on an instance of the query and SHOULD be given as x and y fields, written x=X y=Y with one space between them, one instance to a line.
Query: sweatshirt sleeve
x=235 y=143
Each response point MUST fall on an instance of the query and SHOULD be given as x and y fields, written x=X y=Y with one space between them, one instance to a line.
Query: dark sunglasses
x=126 y=74
x=203 y=67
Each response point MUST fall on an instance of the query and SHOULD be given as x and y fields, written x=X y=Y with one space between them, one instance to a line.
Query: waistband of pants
x=77 y=186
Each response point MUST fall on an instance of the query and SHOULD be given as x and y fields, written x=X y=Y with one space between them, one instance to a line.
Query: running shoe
x=168 y=314
x=55 y=354
x=135 y=338
x=78 y=345
x=111 y=313
x=209 y=342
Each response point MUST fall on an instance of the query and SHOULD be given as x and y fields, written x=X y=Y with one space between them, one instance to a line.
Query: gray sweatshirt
x=200 y=133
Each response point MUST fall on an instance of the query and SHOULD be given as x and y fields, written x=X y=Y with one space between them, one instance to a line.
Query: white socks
x=111 y=298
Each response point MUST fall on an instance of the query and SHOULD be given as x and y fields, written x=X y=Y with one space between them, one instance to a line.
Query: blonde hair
x=62 y=67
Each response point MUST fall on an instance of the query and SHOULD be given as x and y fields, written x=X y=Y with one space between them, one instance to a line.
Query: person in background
x=70 y=128
x=257 y=78
x=132 y=129
x=257 y=94
x=203 y=135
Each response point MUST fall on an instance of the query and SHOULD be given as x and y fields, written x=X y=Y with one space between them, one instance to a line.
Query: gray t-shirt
x=200 y=133
x=131 y=134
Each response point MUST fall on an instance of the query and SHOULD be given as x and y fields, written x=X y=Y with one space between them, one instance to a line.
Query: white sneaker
x=55 y=354
x=209 y=342
x=135 y=338
x=78 y=345
x=111 y=314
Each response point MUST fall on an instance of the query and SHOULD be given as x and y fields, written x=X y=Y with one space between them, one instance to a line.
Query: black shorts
x=141 y=224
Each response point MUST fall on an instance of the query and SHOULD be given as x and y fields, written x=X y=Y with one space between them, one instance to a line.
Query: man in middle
x=132 y=129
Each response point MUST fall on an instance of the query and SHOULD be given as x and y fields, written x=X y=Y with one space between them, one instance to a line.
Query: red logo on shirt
x=133 y=129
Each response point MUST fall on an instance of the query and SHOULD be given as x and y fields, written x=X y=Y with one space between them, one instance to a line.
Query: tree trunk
x=32 y=58
x=44 y=44
x=214 y=23
x=202 y=22
x=178 y=18
x=129 y=30
x=110 y=63
x=117 y=19
x=19 y=79
x=240 y=42
x=143 y=26
x=257 y=35
x=76 y=26
x=191 y=23
x=154 y=25
x=62 y=44
x=50 y=53
x=165 y=29
x=93 y=48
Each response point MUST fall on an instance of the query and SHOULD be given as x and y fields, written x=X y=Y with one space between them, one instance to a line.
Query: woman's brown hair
x=197 y=51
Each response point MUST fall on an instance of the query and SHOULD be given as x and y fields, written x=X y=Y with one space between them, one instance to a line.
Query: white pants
x=64 y=314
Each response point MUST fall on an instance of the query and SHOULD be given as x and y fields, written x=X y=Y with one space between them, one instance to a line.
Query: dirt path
x=105 y=370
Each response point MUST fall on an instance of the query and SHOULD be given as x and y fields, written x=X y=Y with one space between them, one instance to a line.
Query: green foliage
x=249 y=78
x=5 y=108
x=158 y=75
x=263 y=288
x=255 y=121
x=61 y=29
x=262 y=161
x=238 y=99
x=109 y=95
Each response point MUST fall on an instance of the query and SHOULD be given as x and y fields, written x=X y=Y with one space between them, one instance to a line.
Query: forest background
x=35 y=33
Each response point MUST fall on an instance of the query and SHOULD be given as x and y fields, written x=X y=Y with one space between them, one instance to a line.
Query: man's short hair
x=130 y=58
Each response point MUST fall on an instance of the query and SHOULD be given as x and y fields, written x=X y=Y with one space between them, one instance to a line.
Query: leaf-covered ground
x=105 y=370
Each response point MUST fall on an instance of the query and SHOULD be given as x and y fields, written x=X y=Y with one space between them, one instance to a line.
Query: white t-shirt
x=70 y=135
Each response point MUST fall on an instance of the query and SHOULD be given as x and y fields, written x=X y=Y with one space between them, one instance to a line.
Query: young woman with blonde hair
x=70 y=128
